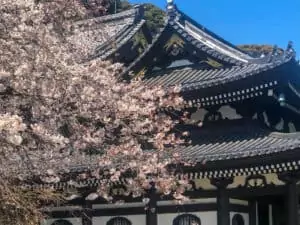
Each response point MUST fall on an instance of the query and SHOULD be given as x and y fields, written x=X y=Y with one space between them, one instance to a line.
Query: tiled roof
x=235 y=141
x=131 y=13
x=212 y=143
x=204 y=39
x=191 y=78
x=93 y=32
x=199 y=28
x=118 y=41
x=203 y=44
x=204 y=35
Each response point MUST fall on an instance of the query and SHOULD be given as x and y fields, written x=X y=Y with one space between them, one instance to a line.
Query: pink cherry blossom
x=60 y=111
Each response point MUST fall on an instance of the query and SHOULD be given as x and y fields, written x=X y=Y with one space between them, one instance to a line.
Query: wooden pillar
x=87 y=214
x=270 y=213
x=292 y=197
x=292 y=203
x=151 y=214
x=253 y=217
x=223 y=207
x=223 y=214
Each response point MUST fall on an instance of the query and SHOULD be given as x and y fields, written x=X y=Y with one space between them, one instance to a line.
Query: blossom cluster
x=57 y=113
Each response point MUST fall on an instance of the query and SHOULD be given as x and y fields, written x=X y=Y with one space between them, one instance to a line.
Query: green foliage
x=256 y=50
x=97 y=8
x=140 y=40
x=119 y=5
x=154 y=18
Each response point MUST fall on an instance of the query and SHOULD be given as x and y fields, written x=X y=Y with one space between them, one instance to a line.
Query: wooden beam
x=223 y=205
x=87 y=214
x=292 y=204
x=253 y=213
x=151 y=214
x=292 y=196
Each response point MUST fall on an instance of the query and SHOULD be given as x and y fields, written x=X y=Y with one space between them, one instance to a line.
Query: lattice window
x=238 y=220
x=119 y=221
x=61 y=222
x=187 y=219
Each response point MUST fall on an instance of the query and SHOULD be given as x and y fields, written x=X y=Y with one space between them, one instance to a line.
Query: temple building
x=248 y=150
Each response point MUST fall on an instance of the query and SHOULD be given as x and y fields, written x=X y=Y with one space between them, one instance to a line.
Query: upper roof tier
x=125 y=37
x=183 y=38
x=197 y=32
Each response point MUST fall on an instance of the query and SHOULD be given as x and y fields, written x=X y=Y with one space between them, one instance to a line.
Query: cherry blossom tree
x=59 y=111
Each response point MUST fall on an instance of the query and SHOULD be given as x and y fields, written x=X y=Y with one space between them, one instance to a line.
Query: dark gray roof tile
x=239 y=139
x=122 y=38
x=196 y=78
x=226 y=50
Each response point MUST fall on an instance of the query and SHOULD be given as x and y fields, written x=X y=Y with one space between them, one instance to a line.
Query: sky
x=245 y=21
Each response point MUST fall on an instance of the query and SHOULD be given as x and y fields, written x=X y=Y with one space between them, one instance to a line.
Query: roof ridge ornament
x=171 y=8
x=170 y=2
x=290 y=51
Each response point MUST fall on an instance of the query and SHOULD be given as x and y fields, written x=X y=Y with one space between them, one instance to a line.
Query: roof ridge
x=132 y=30
x=293 y=135
x=211 y=33
x=108 y=18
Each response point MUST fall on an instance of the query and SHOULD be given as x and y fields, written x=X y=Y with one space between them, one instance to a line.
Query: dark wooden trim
x=141 y=211
x=223 y=212
x=240 y=192
x=281 y=157
x=119 y=211
x=187 y=208
x=239 y=208
x=87 y=214
x=252 y=212
x=245 y=193
x=256 y=192
x=292 y=203
x=151 y=213
x=65 y=214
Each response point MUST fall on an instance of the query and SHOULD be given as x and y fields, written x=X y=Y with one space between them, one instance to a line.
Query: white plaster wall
x=74 y=221
x=244 y=215
x=134 y=219
x=207 y=218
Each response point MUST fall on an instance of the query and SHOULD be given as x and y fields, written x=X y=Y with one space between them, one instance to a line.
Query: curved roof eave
x=193 y=78
x=206 y=39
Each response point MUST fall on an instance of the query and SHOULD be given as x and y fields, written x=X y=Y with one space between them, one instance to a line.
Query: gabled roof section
x=205 y=39
x=116 y=42
x=123 y=36
x=196 y=43
x=97 y=31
